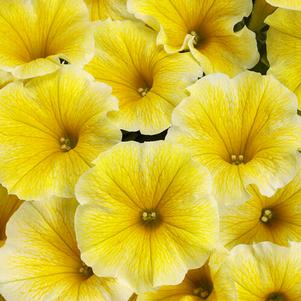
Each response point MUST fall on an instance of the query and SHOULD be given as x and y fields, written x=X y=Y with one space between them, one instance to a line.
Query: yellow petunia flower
x=148 y=82
x=289 y=4
x=103 y=9
x=38 y=36
x=205 y=27
x=8 y=205
x=276 y=219
x=244 y=130
x=205 y=283
x=284 y=48
x=146 y=214
x=41 y=260
x=266 y=272
x=51 y=129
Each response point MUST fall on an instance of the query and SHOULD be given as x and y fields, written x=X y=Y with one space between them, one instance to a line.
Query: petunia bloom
x=103 y=9
x=288 y=4
x=205 y=283
x=266 y=272
x=8 y=205
x=276 y=219
x=37 y=37
x=284 y=48
x=41 y=260
x=205 y=27
x=148 y=82
x=146 y=215
x=244 y=130
x=51 y=129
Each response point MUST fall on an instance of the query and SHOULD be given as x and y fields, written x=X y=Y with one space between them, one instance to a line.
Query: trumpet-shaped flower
x=284 y=48
x=288 y=4
x=276 y=219
x=148 y=82
x=205 y=283
x=103 y=9
x=41 y=260
x=146 y=214
x=8 y=205
x=205 y=28
x=52 y=128
x=266 y=272
x=38 y=36
x=244 y=130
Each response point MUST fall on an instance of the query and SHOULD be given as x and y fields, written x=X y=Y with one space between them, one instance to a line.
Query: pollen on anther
x=143 y=91
x=237 y=159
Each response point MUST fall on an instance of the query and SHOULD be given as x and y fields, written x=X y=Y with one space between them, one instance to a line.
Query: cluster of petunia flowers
x=212 y=213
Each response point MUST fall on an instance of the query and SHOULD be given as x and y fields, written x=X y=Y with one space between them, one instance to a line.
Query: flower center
x=237 y=159
x=143 y=91
x=149 y=216
x=276 y=297
x=196 y=38
x=67 y=143
x=202 y=292
x=86 y=271
x=266 y=217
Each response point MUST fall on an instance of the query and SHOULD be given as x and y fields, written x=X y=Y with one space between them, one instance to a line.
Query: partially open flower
x=146 y=214
x=51 y=129
x=276 y=219
x=266 y=272
x=8 y=205
x=284 y=48
x=205 y=283
x=148 y=82
x=289 y=4
x=205 y=27
x=38 y=36
x=41 y=261
x=244 y=130
x=103 y=9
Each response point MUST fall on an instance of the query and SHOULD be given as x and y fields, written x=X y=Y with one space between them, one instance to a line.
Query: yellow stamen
x=85 y=270
x=66 y=144
x=149 y=216
x=143 y=91
x=266 y=216
x=201 y=292
x=237 y=159
x=196 y=37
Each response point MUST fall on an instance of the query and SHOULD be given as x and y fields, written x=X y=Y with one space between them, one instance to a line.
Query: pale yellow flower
x=38 y=36
x=148 y=82
x=41 y=260
x=276 y=219
x=205 y=27
x=266 y=272
x=205 y=283
x=8 y=205
x=244 y=130
x=103 y=9
x=51 y=129
x=146 y=214
x=289 y=4
x=284 y=48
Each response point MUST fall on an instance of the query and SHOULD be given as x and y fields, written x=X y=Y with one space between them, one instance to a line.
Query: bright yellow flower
x=205 y=283
x=8 y=205
x=51 y=129
x=103 y=9
x=38 y=36
x=205 y=27
x=41 y=260
x=244 y=130
x=289 y=4
x=284 y=48
x=266 y=272
x=5 y=78
x=148 y=82
x=146 y=214
x=276 y=219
